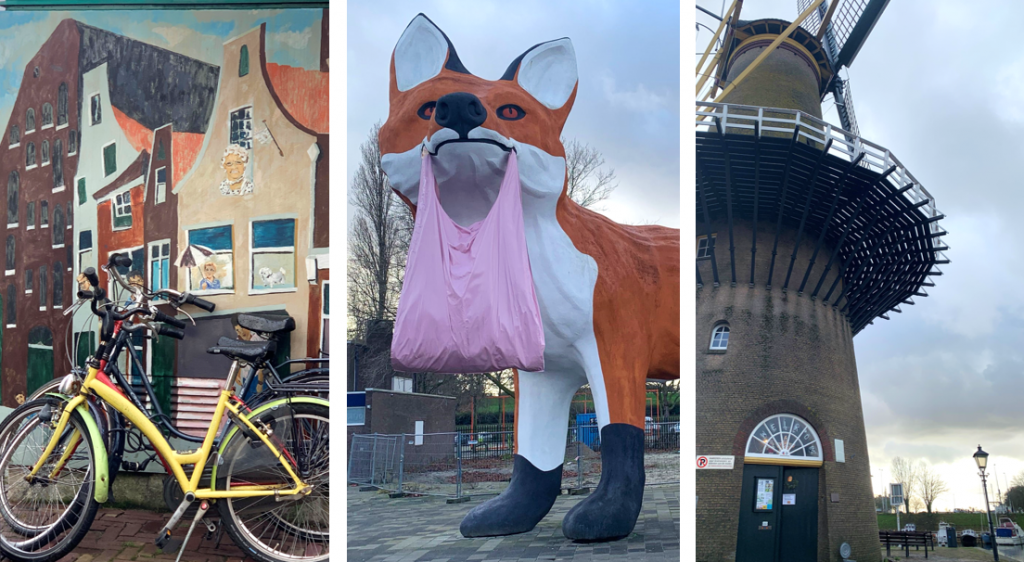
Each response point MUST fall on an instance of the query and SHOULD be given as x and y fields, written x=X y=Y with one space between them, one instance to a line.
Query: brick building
x=805 y=235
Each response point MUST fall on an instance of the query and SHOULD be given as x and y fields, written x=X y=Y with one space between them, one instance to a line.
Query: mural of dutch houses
x=115 y=145
x=255 y=206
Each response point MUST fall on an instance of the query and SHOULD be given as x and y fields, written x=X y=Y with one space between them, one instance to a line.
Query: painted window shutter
x=243 y=61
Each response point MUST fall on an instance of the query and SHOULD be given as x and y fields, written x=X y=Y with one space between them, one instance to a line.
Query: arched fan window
x=781 y=438
x=720 y=337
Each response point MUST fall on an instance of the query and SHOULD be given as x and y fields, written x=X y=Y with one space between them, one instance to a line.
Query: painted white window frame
x=274 y=250
x=42 y=114
x=150 y=260
x=234 y=261
x=115 y=207
x=40 y=207
x=95 y=95
x=44 y=162
x=324 y=316
x=252 y=120
x=160 y=193
x=808 y=429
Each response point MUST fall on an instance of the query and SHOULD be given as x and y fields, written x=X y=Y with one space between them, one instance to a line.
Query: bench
x=905 y=540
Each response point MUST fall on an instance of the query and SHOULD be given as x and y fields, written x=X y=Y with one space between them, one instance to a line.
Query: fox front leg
x=542 y=422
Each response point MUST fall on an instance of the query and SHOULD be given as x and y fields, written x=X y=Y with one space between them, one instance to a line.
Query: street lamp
x=981 y=457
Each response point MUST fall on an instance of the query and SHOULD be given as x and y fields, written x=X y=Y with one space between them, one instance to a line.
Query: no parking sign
x=716 y=462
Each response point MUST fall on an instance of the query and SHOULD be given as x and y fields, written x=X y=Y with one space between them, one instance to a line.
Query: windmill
x=842 y=27
x=806 y=234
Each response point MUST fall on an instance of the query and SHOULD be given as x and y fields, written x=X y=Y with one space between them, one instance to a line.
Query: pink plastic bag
x=468 y=304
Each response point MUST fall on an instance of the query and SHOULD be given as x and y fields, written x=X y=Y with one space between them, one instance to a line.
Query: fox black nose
x=460 y=112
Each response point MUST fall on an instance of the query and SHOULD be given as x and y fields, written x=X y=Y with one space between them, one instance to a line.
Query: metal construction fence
x=460 y=464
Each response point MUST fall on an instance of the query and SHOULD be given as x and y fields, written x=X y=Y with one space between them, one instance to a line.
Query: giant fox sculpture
x=608 y=293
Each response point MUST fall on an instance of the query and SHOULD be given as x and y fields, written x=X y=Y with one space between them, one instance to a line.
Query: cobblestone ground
x=426 y=529
x=128 y=535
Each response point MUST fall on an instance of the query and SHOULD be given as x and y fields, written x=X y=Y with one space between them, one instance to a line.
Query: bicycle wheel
x=271 y=530
x=44 y=520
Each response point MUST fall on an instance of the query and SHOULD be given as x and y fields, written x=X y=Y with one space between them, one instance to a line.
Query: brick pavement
x=118 y=534
x=426 y=529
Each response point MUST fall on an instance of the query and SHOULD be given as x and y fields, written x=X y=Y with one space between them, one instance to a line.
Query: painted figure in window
x=271 y=277
x=235 y=163
x=135 y=279
x=209 y=280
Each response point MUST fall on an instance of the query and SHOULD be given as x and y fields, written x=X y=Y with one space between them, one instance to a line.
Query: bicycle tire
x=315 y=446
x=59 y=537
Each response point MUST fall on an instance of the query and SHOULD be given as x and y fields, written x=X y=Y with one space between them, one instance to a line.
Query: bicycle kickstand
x=204 y=506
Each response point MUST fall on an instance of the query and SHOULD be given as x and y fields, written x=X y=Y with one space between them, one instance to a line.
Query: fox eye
x=511 y=112
x=426 y=110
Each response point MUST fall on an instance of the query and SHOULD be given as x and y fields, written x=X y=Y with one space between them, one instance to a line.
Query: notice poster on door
x=764 y=494
x=788 y=499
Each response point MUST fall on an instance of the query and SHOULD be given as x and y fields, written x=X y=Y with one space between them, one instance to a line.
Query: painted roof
x=137 y=71
x=305 y=94
x=185 y=147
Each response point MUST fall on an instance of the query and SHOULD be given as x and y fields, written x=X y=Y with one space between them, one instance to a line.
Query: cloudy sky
x=293 y=36
x=939 y=84
x=627 y=104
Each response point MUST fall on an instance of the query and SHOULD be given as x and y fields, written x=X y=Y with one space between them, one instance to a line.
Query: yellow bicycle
x=268 y=475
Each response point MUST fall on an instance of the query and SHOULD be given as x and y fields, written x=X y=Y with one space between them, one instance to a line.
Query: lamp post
x=981 y=457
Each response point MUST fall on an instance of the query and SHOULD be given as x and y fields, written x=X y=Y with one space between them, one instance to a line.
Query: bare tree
x=907 y=473
x=588 y=183
x=378 y=241
x=932 y=486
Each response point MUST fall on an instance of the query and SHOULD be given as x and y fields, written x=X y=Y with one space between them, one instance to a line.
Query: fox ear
x=422 y=51
x=547 y=71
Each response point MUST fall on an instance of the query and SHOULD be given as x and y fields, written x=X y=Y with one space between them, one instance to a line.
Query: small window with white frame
x=122 y=210
x=273 y=256
x=720 y=338
x=704 y=246
x=212 y=250
x=160 y=265
x=161 y=185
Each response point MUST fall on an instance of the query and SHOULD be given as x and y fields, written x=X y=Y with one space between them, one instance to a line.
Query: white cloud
x=297 y=40
x=638 y=99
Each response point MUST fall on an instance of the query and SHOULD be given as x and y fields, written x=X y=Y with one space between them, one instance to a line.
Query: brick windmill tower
x=806 y=234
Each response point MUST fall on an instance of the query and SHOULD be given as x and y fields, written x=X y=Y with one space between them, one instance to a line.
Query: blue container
x=586 y=428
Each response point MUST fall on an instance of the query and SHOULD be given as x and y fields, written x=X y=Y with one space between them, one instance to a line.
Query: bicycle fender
x=99 y=448
x=259 y=410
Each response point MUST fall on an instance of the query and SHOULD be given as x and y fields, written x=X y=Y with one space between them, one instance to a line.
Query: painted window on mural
x=44 y=152
x=325 y=327
x=44 y=214
x=96 y=112
x=81 y=191
x=243 y=61
x=122 y=210
x=241 y=127
x=30 y=120
x=84 y=249
x=72 y=142
x=214 y=259
x=160 y=154
x=58 y=285
x=109 y=159
x=15 y=137
x=28 y=281
x=159 y=265
x=68 y=215
x=273 y=255
x=62 y=104
x=784 y=436
x=10 y=308
x=47 y=115
x=58 y=164
x=30 y=155
x=10 y=256
x=161 y=185
x=30 y=218
x=42 y=288
x=13 y=184
x=58 y=226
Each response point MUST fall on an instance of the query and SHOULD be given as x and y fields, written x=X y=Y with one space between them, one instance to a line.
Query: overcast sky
x=627 y=105
x=293 y=36
x=939 y=83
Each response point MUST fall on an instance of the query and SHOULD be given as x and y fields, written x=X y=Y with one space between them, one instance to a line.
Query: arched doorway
x=779 y=498
x=40 y=358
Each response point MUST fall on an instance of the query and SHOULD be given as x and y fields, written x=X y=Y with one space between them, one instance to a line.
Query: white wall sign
x=840 y=451
x=418 y=439
x=716 y=462
x=788 y=499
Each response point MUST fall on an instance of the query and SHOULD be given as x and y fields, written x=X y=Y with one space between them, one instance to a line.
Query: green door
x=778 y=514
x=86 y=347
x=162 y=370
x=40 y=358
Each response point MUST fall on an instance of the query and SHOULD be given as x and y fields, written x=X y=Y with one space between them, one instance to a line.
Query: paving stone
x=426 y=529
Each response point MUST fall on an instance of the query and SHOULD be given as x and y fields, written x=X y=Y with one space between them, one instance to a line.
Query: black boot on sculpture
x=610 y=513
x=520 y=507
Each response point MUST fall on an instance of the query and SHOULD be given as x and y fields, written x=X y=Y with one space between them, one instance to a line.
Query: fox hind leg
x=610 y=513
x=542 y=419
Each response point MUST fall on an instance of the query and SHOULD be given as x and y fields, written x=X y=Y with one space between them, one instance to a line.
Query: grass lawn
x=930 y=522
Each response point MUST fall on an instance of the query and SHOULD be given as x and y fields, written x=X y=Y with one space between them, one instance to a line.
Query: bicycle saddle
x=266 y=323
x=247 y=351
